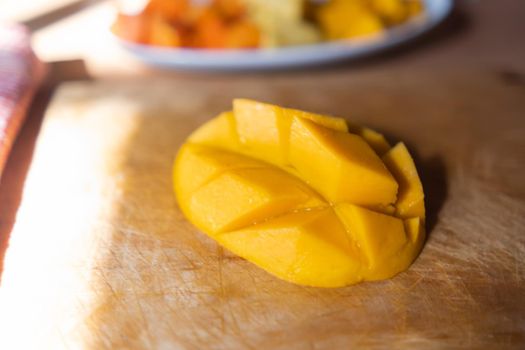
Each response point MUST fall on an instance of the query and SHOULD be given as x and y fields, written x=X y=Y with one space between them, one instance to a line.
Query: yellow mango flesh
x=410 y=201
x=374 y=139
x=379 y=236
x=259 y=194
x=377 y=141
x=341 y=19
x=391 y=11
x=198 y=164
x=334 y=123
x=260 y=129
x=340 y=165
x=264 y=129
x=305 y=247
x=300 y=196
x=415 y=229
x=219 y=132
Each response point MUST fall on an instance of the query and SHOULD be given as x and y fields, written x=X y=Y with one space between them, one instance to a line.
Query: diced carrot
x=178 y=23
x=162 y=33
x=230 y=9
x=210 y=30
x=170 y=9
x=242 y=34
x=133 y=28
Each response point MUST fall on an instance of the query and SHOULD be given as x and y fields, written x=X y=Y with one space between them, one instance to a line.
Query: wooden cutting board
x=101 y=257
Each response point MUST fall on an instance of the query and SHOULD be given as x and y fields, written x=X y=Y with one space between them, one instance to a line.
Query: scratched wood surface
x=101 y=257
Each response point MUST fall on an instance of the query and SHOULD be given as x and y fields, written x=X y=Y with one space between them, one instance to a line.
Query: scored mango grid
x=235 y=144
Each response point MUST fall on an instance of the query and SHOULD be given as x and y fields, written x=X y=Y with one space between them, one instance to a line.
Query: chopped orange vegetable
x=210 y=31
x=218 y=24
x=132 y=28
x=230 y=9
x=242 y=34
x=170 y=9
x=162 y=33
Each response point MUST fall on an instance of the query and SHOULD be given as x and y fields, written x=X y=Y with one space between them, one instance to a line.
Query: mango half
x=309 y=198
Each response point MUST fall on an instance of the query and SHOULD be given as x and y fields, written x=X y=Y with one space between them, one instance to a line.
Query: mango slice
x=340 y=165
x=306 y=247
x=264 y=129
x=198 y=164
x=410 y=202
x=259 y=194
x=374 y=139
x=302 y=195
x=414 y=229
x=219 y=132
x=379 y=236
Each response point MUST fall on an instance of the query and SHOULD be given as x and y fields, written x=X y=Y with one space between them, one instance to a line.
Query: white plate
x=435 y=12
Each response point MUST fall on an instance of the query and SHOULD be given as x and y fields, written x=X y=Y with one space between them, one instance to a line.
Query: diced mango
x=329 y=122
x=262 y=130
x=238 y=24
x=376 y=140
x=241 y=197
x=340 y=166
x=415 y=229
x=341 y=19
x=391 y=11
x=410 y=201
x=307 y=247
x=414 y=7
x=198 y=164
x=380 y=236
x=219 y=132
x=299 y=195
x=389 y=209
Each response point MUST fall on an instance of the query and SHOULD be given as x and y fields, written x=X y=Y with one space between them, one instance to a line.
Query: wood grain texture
x=101 y=257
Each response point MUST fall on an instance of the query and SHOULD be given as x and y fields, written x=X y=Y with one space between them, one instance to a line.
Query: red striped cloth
x=20 y=74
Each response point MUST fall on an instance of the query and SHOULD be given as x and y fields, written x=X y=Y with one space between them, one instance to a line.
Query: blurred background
x=478 y=32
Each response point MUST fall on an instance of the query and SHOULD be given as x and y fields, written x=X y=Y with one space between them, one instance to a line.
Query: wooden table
x=465 y=82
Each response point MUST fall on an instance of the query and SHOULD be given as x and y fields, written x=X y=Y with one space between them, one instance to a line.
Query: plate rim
x=285 y=57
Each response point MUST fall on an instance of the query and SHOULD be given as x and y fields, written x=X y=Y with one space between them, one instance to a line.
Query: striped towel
x=20 y=74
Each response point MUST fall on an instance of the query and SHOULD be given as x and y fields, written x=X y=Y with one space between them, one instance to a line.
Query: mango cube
x=264 y=129
x=391 y=11
x=341 y=166
x=374 y=139
x=242 y=197
x=410 y=200
x=333 y=123
x=379 y=236
x=415 y=229
x=307 y=247
x=219 y=132
x=198 y=164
